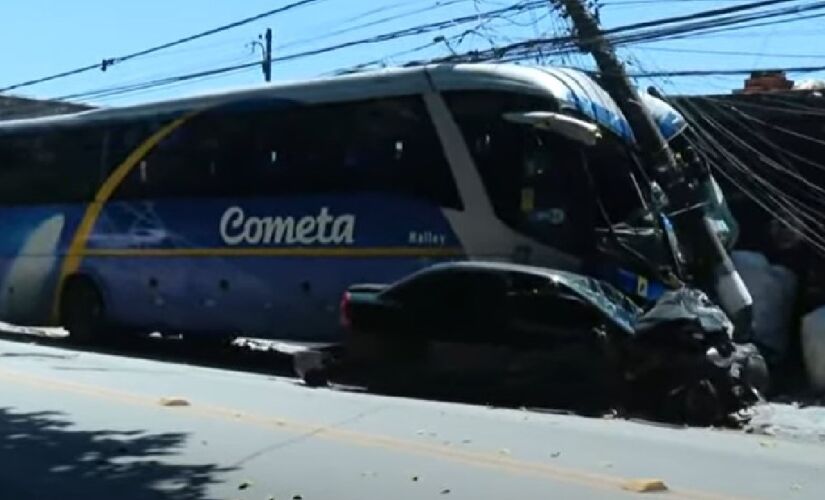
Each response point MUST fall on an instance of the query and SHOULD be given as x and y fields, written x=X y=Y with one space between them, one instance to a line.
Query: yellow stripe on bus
x=277 y=252
x=74 y=255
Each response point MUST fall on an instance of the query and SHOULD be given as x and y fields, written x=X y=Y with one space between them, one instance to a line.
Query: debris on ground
x=645 y=485
x=173 y=401
x=788 y=421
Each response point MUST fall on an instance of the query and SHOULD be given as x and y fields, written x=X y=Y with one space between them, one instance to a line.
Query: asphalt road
x=85 y=425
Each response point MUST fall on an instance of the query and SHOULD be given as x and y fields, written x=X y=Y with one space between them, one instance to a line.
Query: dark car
x=510 y=333
x=487 y=303
x=488 y=329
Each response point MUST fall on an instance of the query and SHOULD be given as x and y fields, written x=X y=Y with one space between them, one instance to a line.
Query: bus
x=248 y=212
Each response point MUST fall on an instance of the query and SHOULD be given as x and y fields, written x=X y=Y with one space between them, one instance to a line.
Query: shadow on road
x=43 y=457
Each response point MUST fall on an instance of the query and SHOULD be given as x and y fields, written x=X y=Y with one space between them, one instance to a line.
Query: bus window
x=386 y=146
x=55 y=165
x=181 y=165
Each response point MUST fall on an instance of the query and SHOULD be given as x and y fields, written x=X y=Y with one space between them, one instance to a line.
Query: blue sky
x=40 y=37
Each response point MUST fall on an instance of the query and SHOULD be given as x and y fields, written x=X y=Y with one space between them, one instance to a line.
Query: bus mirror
x=573 y=128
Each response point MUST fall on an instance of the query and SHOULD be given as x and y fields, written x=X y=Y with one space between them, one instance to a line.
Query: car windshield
x=607 y=298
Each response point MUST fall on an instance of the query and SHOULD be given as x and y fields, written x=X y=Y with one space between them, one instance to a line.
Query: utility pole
x=683 y=183
x=264 y=42
x=267 y=62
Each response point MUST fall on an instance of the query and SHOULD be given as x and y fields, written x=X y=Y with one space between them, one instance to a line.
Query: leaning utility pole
x=709 y=263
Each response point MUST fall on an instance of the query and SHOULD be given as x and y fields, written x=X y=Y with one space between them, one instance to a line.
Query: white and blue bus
x=249 y=212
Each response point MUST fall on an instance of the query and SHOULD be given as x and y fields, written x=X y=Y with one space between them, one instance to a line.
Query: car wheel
x=82 y=310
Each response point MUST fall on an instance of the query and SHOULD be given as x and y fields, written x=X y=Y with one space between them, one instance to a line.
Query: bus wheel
x=81 y=310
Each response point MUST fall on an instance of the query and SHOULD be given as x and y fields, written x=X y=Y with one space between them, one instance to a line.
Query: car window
x=463 y=304
x=538 y=302
x=457 y=285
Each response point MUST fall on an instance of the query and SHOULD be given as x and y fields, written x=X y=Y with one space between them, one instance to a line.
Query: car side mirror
x=578 y=130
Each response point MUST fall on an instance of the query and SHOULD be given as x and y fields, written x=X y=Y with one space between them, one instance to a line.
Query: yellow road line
x=277 y=252
x=493 y=461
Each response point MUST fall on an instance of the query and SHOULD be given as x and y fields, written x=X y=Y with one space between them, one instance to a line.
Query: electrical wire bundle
x=477 y=24
x=701 y=23
x=777 y=179
x=473 y=23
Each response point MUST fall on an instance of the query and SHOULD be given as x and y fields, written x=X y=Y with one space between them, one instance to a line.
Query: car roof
x=600 y=294
x=502 y=267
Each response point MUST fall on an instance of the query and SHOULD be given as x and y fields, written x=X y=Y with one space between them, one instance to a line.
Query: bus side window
x=385 y=146
x=50 y=165
x=122 y=140
x=181 y=165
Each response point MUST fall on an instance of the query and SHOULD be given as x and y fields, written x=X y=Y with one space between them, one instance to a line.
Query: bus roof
x=572 y=89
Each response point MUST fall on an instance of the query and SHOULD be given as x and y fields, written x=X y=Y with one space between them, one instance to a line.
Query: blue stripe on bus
x=345 y=221
x=169 y=260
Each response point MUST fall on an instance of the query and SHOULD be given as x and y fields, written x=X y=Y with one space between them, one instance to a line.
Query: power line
x=107 y=63
x=705 y=14
x=418 y=30
x=770 y=198
x=631 y=33
x=392 y=36
x=516 y=51
x=724 y=72
x=727 y=22
x=626 y=3
x=709 y=30
x=733 y=53
x=369 y=24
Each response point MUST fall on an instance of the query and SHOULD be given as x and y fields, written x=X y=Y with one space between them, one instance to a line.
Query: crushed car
x=511 y=334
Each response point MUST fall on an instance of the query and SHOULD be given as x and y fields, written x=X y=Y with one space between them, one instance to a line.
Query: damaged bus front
x=561 y=166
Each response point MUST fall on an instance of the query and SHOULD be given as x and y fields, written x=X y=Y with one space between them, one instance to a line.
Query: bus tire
x=82 y=310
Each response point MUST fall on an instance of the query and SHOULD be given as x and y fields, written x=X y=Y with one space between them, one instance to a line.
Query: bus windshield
x=540 y=183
